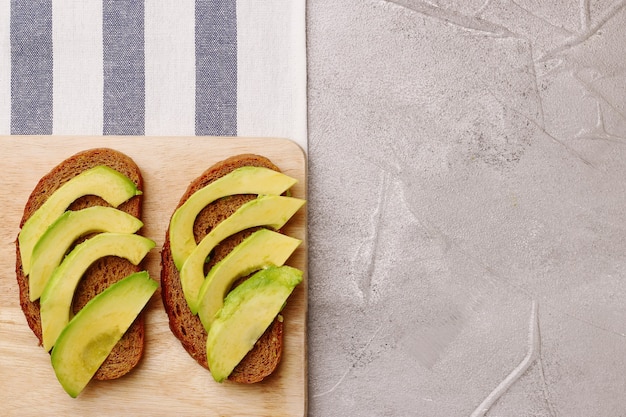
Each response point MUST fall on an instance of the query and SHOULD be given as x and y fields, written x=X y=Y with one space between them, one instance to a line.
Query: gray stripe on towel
x=124 y=80
x=216 y=67
x=31 y=67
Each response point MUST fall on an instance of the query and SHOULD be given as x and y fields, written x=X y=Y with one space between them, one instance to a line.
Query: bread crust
x=264 y=358
x=104 y=272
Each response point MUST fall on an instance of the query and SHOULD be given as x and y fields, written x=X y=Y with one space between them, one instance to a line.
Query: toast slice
x=263 y=359
x=104 y=272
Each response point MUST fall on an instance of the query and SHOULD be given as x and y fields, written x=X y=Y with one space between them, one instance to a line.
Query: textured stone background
x=467 y=207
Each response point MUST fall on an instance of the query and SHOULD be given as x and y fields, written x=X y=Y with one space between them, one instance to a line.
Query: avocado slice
x=105 y=182
x=88 y=339
x=248 y=311
x=244 y=180
x=55 y=242
x=56 y=299
x=262 y=249
x=267 y=210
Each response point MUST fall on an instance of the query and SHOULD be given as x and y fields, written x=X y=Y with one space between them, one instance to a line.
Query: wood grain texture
x=167 y=381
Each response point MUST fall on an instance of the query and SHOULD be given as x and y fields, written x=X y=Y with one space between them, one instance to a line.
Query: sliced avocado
x=262 y=249
x=268 y=210
x=248 y=311
x=105 y=182
x=55 y=242
x=244 y=180
x=56 y=299
x=91 y=335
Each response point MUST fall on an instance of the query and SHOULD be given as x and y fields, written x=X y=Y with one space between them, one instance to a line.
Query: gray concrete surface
x=467 y=208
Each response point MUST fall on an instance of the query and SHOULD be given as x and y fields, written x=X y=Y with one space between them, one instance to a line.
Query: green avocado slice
x=244 y=180
x=87 y=340
x=105 y=182
x=55 y=242
x=56 y=299
x=248 y=311
x=262 y=249
x=267 y=210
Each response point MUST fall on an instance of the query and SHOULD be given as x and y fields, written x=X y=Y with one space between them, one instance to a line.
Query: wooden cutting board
x=167 y=381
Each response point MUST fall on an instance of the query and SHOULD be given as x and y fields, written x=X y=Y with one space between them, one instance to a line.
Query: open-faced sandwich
x=223 y=274
x=79 y=266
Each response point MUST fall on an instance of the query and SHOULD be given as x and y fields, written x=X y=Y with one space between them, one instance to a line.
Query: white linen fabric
x=153 y=67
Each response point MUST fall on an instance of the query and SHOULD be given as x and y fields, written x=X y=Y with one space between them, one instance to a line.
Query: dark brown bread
x=103 y=272
x=263 y=359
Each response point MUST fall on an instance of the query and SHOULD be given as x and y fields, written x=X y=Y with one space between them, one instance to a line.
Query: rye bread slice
x=263 y=359
x=104 y=272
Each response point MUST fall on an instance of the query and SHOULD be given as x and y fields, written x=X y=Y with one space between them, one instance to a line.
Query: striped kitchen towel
x=153 y=67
